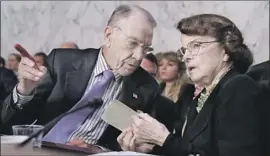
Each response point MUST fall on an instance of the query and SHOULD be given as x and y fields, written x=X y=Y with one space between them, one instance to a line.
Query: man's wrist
x=19 y=100
x=24 y=92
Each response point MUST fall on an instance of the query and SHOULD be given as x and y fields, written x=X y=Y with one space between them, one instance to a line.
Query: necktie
x=68 y=124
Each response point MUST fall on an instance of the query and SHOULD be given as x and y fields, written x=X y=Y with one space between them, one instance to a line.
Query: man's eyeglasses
x=193 y=47
x=133 y=43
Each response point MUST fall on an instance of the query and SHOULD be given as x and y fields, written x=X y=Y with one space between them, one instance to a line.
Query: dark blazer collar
x=130 y=93
x=231 y=73
x=82 y=66
x=202 y=119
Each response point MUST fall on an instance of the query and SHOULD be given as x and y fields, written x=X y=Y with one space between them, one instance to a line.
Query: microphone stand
x=49 y=125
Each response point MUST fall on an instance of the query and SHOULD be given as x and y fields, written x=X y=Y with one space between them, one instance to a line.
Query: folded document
x=118 y=115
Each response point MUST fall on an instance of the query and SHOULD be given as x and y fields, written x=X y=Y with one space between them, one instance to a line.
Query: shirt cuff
x=19 y=99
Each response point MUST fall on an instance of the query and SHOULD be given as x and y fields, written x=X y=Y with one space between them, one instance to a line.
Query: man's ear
x=107 y=36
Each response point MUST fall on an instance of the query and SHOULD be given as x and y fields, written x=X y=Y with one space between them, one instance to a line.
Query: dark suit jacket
x=69 y=71
x=186 y=90
x=7 y=82
x=228 y=125
x=260 y=73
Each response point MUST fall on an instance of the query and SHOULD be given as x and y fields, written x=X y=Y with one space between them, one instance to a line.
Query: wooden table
x=11 y=149
x=10 y=146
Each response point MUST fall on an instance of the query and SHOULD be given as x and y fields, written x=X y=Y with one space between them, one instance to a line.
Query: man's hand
x=78 y=142
x=126 y=140
x=29 y=76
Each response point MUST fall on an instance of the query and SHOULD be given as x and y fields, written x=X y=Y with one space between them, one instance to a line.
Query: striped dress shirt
x=93 y=127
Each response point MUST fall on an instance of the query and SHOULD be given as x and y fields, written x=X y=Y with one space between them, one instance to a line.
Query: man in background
x=40 y=58
x=71 y=45
x=150 y=64
x=260 y=72
x=8 y=80
x=13 y=62
x=2 y=62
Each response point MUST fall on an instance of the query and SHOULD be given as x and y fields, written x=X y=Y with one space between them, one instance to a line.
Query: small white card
x=13 y=139
x=118 y=115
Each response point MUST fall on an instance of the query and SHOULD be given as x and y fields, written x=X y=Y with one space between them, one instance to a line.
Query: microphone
x=94 y=104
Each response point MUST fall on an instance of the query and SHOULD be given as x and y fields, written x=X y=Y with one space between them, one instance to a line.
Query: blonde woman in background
x=172 y=75
x=159 y=56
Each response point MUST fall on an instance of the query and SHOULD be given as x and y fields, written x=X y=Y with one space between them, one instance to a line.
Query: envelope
x=118 y=115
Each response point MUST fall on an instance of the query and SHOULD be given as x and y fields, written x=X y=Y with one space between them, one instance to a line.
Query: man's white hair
x=124 y=11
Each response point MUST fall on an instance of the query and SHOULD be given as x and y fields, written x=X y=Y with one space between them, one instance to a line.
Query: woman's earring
x=226 y=58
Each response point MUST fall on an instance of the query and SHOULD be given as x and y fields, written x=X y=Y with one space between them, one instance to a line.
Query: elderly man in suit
x=150 y=64
x=73 y=77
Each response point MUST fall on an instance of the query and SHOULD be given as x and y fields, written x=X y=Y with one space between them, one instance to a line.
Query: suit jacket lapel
x=130 y=94
x=202 y=119
x=77 y=79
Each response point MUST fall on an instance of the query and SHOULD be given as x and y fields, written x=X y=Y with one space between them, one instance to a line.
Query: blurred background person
x=260 y=72
x=150 y=64
x=172 y=75
x=40 y=58
x=8 y=80
x=69 y=45
x=2 y=62
x=158 y=56
x=13 y=62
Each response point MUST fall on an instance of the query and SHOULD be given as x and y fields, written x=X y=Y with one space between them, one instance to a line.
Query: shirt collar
x=102 y=66
x=217 y=78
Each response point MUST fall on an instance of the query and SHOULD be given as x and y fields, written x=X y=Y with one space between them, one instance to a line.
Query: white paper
x=118 y=115
x=12 y=139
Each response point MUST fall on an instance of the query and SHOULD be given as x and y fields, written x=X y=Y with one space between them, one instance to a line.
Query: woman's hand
x=127 y=142
x=148 y=130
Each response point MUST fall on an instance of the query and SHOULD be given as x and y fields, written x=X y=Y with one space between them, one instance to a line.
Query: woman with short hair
x=223 y=119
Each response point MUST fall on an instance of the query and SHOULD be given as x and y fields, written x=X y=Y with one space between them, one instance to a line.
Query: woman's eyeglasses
x=193 y=47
